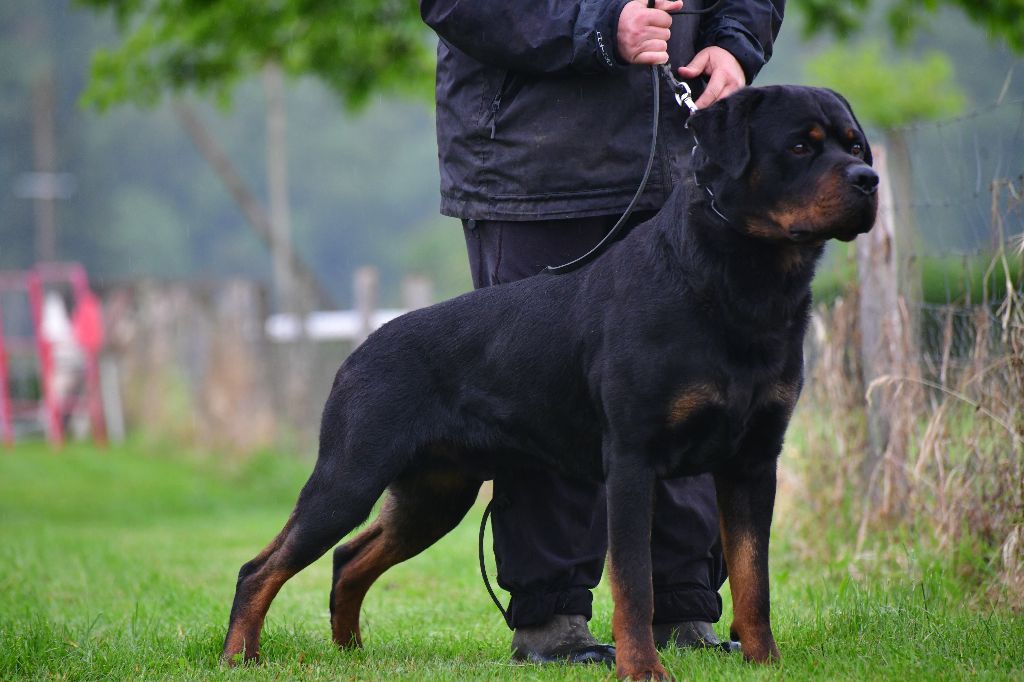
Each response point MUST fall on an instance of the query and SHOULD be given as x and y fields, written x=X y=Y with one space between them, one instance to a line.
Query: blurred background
x=205 y=206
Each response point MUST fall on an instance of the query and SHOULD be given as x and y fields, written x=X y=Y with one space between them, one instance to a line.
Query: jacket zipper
x=496 y=102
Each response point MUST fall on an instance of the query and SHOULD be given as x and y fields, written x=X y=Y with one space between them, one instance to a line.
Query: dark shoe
x=563 y=639
x=690 y=634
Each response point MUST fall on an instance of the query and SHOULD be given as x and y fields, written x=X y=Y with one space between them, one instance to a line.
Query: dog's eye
x=857 y=150
x=800 y=149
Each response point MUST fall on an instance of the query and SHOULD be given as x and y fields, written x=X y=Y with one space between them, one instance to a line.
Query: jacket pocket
x=511 y=84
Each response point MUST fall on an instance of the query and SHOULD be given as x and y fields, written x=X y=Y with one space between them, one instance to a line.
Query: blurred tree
x=354 y=46
x=886 y=92
x=1003 y=19
x=209 y=46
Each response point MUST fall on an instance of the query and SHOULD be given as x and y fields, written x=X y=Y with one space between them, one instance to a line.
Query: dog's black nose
x=863 y=178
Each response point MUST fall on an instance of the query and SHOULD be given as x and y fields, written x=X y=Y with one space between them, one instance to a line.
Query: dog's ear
x=868 y=158
x=722 y=130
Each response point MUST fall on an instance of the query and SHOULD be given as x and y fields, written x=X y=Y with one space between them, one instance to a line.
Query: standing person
x=543 y=129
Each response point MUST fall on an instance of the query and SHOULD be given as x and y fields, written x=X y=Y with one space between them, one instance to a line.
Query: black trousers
x=550 y=532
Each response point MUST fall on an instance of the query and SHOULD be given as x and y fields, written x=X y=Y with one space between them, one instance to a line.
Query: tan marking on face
x=765 y=229
x=691 y=399
x=816 y=211
x=849 y=134
x=817 y=133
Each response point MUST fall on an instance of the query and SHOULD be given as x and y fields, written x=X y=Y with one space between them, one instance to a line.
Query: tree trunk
x=889 y=300
x=248 y=203
x=44 y=146
x=288 y=298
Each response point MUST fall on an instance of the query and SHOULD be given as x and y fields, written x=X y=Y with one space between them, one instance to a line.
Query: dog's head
x=787 y=163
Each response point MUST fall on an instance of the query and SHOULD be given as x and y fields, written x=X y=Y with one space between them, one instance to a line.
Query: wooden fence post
x=889 y=293
x=417 y=292
x=366 y=281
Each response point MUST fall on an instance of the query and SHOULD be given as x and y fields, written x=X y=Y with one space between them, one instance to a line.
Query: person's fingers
x=654 y=57
x=659 y=34
x=725 y=75
x=654 y=17
x=668 y=5
x=643 y=33
x=651 y=58
x=713 y=92
x=729 y=88
x=697 y=65
x=653 y=45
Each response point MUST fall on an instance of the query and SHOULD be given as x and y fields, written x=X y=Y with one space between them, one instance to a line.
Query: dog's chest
x=708 y=421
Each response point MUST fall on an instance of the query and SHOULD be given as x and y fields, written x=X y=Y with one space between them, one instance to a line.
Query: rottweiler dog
x=677 y=352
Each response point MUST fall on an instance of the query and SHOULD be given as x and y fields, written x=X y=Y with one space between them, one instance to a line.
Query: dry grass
x=948 y=471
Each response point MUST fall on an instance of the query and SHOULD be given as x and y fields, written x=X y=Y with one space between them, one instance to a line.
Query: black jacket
x=537 y=118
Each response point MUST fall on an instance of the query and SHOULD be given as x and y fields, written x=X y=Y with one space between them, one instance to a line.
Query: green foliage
x=355 y=47
x=966 y=280
x=1002 y=19
x=888 y=92
x=954 y=280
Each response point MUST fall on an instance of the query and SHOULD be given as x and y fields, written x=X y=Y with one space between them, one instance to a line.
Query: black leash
x=618 y=226
x=483 y=564
x=682 y=93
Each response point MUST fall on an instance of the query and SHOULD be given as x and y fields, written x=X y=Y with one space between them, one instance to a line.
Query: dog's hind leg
x=420 y=509
x=328 y=508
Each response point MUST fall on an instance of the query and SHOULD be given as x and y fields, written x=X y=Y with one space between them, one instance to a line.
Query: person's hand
x=643 y=33
x=725 y=75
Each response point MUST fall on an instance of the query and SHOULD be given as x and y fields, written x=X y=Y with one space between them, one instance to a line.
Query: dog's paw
x=233 y=659
x=649 y=672
x=760 y=650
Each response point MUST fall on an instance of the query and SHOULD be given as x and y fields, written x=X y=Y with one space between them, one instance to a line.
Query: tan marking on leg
x=244 y=631
x=370 y=561
x=635 y=655
x=689 y=400
x=745 y=583
x=416 y=514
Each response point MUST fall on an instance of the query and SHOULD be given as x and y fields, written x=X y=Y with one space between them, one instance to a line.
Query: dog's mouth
x=802 y=236
x=844 y=234
x=845 y=231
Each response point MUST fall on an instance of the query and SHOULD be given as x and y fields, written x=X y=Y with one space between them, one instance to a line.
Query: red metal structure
x=87 y=323
x=6 y=418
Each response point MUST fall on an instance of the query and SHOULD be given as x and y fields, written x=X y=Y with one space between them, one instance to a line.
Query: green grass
x=121 y=564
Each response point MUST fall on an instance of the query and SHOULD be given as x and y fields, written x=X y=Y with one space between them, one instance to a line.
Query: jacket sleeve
x=541 y=36
x=747 y=29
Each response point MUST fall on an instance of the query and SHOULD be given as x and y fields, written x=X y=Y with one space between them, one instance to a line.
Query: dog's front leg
x=630 y=487
x=746 y=498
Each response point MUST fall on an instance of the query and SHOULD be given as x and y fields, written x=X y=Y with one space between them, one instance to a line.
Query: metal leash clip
x=681 y=89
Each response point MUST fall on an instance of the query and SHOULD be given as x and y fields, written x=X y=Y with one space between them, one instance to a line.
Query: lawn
x=120 y=564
